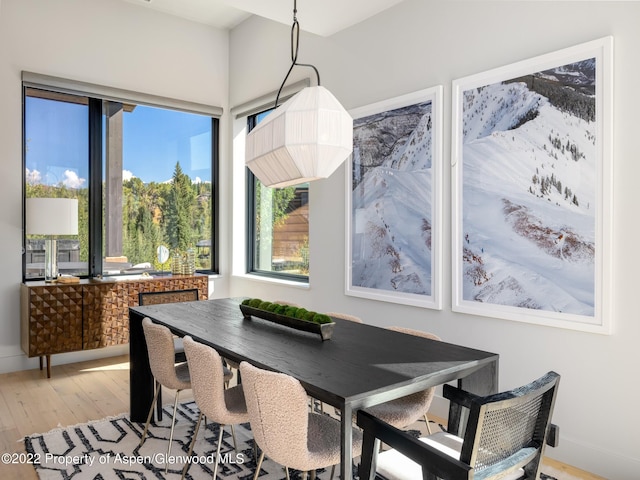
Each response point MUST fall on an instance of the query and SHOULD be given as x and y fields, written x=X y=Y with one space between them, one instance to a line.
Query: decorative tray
x=325 y=330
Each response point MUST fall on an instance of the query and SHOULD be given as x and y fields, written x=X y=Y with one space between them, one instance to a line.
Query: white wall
x=419 y=44
x=107 y=42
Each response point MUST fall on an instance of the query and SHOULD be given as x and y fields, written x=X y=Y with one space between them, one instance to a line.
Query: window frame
x=96 y=95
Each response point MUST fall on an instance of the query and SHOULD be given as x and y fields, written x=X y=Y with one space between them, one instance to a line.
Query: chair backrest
x=423 y=397
x=286 y=302
x=417 y=333
x=504 y=432
x=207 y=379
x=509 y=428
x=345 y=316
x=168 y=296
x=161 y=353
x=278 y=412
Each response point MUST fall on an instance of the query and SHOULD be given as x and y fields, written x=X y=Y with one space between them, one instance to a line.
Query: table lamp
x=51 y=217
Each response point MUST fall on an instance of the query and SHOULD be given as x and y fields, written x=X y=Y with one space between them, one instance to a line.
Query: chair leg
x=233 y=436
x=258 y=466
x=333 y=470
x=428 y=426
x=159 y=404
x=146 y=426
x=215 y=467
x=173 y=424
x=193 y=443
x=377 y=446
x=286 y=470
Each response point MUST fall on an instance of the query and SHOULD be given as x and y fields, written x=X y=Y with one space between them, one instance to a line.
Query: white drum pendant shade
x=306 y=138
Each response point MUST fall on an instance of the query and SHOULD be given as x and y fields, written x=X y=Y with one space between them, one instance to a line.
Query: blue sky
x=153 y=141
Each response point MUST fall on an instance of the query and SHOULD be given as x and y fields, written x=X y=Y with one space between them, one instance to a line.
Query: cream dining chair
x=404 y=411
x=225 y=406
x=345 y=316
x=161 y=353
x=284 y=428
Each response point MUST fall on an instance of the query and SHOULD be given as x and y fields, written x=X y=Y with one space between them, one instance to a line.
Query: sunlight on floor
x=115 y=366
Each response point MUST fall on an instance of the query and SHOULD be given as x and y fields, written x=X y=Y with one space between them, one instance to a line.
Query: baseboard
x=605 y=463
x=14 y=360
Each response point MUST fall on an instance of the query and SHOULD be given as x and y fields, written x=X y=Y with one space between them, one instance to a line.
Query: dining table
x=361 y=365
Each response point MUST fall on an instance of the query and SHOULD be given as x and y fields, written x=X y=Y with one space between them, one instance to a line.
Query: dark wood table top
x=360 y=365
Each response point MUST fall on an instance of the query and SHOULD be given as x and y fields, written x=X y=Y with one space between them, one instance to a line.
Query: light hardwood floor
x=76 y=393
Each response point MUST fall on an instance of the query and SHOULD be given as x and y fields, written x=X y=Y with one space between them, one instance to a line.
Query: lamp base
x=50 y=260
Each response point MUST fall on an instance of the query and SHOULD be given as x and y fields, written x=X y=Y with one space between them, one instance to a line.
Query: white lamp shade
x=52 y=216
x=304 y=139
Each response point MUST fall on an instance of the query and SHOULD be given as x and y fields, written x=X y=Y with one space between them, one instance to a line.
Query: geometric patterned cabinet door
x=53 y=314
x=106 y=315
x=60 y=318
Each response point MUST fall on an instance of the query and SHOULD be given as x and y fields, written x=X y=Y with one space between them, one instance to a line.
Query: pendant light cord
x=295 y=41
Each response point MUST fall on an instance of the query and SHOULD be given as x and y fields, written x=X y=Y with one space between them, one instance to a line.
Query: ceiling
x=322 y=17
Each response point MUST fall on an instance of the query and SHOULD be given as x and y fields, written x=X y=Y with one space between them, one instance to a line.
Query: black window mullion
x=95 y=187
x=214 y=250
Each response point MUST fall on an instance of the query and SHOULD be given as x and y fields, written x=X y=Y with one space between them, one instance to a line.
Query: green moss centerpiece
x=293 y=317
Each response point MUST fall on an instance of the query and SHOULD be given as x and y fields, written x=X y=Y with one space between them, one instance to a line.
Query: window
x=144 y=176
x=278 y=240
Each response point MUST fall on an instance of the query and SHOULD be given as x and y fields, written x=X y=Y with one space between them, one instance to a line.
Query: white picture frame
x=532 y=173
x=393 y=201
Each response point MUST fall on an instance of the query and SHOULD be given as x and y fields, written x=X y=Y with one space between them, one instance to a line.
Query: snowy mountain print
x=529 y=191
x=391 y=200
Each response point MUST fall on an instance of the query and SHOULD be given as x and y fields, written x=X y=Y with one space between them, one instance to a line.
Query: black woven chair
x=504 y=436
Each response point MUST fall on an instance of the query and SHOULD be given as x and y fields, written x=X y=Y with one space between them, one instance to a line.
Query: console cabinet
x=61 y=318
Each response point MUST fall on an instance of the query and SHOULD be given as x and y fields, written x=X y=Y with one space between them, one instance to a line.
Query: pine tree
x=179 y=208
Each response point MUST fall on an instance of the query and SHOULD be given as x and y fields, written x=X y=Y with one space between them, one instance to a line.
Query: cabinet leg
x=48 y=366
x=41 y=358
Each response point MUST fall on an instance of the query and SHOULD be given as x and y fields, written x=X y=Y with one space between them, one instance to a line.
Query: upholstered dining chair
x=345 y=316
x=286 y=302
x=504 y=438
x=166 y=373
x=169 y=296
x=225 y=406
x=284 y=428
x=404 y=411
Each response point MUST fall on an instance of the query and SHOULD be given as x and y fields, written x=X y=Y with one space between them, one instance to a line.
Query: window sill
x=272 y=280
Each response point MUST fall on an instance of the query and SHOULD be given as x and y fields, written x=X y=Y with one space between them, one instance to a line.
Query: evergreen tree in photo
x=179 y=211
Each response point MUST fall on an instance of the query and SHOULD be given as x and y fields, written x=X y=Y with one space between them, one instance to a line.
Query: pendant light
x=304 y=139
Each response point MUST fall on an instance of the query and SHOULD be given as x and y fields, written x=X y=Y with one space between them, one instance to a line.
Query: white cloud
x=127 y=175
x=33 y=176
x=71 y=179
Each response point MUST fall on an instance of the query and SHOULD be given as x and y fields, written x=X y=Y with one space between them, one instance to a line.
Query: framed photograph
x=532 y=190
x=394 y=224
